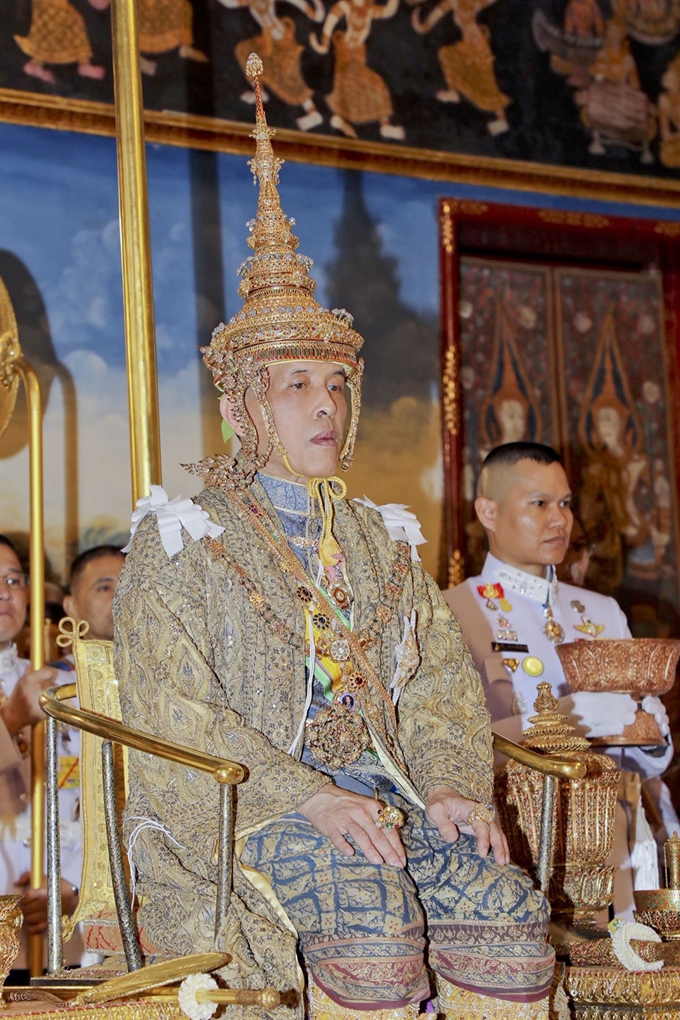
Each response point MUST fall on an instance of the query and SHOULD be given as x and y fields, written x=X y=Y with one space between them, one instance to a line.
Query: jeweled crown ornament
x=280 y=319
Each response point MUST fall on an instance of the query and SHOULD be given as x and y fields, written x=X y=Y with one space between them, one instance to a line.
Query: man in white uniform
x=20 y=689
x=515 y=613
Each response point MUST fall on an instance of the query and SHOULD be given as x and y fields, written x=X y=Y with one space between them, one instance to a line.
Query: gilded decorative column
x=140 y=338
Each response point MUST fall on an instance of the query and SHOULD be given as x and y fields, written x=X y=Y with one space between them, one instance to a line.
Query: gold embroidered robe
x=198 y=664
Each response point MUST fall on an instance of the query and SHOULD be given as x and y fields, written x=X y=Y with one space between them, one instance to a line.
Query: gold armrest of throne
x=552 y=767
x=103 y=905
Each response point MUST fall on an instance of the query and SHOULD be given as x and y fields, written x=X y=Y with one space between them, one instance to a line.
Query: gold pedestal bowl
x=660 y=909
x=635 y=666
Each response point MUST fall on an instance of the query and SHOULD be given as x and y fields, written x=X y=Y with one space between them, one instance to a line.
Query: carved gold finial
x=550 y=731
x=70 y=630
x=254 y=66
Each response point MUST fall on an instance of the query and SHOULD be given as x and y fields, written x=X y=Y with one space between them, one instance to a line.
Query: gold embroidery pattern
x=457 y=1003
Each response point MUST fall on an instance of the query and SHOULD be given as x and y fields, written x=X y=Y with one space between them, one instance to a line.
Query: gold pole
x=37 y=617
x=140 y=340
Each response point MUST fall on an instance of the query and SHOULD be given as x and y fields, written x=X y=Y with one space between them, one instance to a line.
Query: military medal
x=532 y=665
x=553 y=630
x=577 y=606
x=587 y=627
x=511 y=665
x=490 y=592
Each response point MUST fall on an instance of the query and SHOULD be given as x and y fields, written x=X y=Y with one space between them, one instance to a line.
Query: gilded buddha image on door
x=616 y=417
x=603 y=403
x=504 y=313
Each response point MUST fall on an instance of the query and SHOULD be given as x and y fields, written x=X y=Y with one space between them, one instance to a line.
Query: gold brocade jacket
x=199 y=663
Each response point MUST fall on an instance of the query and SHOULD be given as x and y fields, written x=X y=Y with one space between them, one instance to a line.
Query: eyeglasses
x=14 y=582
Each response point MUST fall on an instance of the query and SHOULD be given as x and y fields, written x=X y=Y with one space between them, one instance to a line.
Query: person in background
x=515 y=613
x=92 y=582
x=20 y=689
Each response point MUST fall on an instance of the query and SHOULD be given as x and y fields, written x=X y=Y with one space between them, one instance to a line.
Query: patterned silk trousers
x=371 y=935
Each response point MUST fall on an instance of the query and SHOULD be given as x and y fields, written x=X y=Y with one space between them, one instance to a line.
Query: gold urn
x=11 y=920
x=635 y=666
x=581 y=885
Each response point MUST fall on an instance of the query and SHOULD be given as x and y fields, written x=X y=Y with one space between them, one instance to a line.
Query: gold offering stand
x=577 y=880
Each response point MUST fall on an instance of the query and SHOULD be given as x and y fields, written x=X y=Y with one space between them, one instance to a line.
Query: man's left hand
x=33 y=903
x=656 y=707
x=449 y=812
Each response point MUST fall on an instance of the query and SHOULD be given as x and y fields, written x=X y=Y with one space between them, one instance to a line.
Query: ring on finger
x=481 y=813
x=390 y=818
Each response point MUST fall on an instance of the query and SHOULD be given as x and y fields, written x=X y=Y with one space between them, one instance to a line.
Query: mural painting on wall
x=599 y=85
x=607 y=411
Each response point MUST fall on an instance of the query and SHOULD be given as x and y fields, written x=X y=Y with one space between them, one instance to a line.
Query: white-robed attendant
x=515 y=613
x=20 y=688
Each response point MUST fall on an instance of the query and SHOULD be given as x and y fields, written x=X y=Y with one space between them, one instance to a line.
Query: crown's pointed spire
x=271 y=228
x=280 y=319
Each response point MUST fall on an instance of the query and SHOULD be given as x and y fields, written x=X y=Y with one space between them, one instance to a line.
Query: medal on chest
x=491 y=592
x=586 y=626
x=553 y=630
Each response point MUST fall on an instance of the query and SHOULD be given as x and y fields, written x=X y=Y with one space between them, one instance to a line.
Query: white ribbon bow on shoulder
x=401 y=524
x=173 y=515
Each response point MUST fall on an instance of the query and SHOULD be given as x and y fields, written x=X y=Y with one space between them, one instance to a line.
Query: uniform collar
x=8 y=658
x=538 y=589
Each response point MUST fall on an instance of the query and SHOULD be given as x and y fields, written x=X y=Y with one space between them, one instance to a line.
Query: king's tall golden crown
x=280 y=320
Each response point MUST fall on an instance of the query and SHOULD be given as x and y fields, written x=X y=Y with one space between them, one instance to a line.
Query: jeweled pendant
x=340 y=596
x=340 y=650
x=553 y=630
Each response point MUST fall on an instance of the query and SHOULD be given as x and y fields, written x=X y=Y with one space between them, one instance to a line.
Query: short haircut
x=508 y=455
x=512 y=453
x=4 y=540
x=95 y=553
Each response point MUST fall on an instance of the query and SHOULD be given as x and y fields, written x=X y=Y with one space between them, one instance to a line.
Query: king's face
x=309 y=404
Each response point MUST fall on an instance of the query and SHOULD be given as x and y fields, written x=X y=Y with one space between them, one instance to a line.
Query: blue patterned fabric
x=367 y=932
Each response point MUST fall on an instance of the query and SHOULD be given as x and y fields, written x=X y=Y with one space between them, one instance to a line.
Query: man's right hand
x=338 y=813
x=22 y=707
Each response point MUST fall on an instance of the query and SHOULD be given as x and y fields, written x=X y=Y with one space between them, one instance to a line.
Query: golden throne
x=103 y=910
x=128 y=984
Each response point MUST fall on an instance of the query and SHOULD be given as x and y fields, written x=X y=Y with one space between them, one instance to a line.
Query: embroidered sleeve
x=444 y=724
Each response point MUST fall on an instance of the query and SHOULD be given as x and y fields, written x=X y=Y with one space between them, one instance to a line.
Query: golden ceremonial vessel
x=580 y=883
x=660 y=908
x=569 y=861
x=635 y=666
